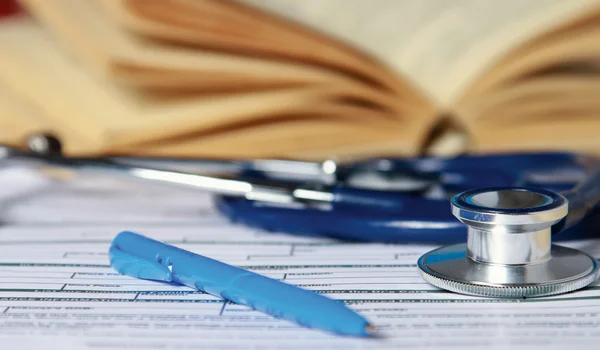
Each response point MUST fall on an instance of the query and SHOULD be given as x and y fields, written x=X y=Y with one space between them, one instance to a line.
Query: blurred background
x=295 y=79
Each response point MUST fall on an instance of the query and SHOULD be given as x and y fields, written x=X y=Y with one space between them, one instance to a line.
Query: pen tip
x=370 y=330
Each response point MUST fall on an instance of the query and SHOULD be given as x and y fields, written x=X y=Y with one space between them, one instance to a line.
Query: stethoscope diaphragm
x=509 y=253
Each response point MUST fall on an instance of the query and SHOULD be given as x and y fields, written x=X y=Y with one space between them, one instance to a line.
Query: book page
x=58 y=288
x=118 y=118
x=110 y=117
x=228 y=26
x=442 y=46
x=546 y=112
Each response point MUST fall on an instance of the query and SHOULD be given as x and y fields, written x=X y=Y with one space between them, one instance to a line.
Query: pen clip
x=135 y=266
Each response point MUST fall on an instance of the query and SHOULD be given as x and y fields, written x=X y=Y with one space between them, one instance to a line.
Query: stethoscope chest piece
x=509 y=251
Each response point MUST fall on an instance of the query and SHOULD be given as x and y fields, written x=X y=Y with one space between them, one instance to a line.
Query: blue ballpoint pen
x=141 y=257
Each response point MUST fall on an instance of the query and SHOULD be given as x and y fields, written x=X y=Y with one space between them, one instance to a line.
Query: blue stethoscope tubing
x=368 y=200
x=415 y=217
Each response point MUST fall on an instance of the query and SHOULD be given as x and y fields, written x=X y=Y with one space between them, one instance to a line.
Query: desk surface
x=56 y=286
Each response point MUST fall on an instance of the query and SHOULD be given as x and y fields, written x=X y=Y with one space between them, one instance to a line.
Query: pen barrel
x=268 y=295
x=289 y=302
x=142 y=257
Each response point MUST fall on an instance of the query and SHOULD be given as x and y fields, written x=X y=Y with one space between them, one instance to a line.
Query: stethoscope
x=519 y=203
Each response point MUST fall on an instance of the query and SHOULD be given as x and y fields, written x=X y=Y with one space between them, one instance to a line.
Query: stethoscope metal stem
x=269 y=192
x=509 y=227
x=322 y=172
x=509 y=249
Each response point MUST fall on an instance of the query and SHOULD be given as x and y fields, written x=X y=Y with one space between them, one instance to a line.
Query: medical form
x=57 y=289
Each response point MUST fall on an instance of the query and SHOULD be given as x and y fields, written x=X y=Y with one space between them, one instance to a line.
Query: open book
x=307 y=79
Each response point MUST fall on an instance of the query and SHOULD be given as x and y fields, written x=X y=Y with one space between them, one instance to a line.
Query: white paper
x=57 y=290
x=441 y=46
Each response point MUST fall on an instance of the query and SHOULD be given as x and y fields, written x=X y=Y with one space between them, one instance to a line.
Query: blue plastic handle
x=141 y=257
